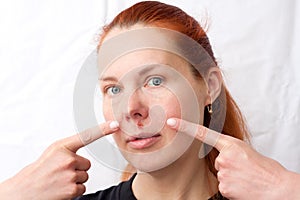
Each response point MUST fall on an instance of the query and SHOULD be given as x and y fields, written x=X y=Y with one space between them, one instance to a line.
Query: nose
x=138 y=109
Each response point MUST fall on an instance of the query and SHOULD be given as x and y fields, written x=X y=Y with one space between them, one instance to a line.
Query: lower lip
x=143 y=143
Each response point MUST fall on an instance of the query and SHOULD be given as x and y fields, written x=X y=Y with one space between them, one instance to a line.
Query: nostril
x=137 y=114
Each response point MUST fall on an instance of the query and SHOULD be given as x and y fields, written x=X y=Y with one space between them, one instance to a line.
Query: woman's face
x=141 y=90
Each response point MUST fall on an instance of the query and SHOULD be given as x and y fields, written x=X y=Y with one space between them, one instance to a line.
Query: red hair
x=156 y=14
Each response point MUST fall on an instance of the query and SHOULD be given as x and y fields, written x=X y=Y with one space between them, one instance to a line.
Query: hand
x=243 y=173
x=59 y=173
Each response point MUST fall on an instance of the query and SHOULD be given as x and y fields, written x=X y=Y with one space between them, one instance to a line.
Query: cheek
x=117 y=138
x=107 y=110
x=171 y=106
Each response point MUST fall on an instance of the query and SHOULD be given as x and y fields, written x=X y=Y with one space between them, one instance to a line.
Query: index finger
x=75 y=142
x=206 y=135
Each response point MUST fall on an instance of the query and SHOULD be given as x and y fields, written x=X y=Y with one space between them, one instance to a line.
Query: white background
x=44 y=43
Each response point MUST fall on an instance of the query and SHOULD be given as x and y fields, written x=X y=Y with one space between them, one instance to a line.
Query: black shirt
x=123 y=191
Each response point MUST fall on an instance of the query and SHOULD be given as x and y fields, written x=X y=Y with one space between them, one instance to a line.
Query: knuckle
x=85 y=177
x=104 y=129
x=183 y=127
x=220 y=176
x=237 y=152
x=78 y=176
x=70 y=162
x=201 y=133
x=54 y=146
x=244 y=156
x=75 y=190
x=80 y=189
x=83 y=163
x=87 y=163
x=83 y=189
x=217 y=167
x=224 y=190
x=68 y=177
x=73 y=176
x=72 y=191
x=229 y=154
x=223 y=175
x=220 y=162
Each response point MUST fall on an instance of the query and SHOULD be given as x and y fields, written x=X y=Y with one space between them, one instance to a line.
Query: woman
x=242 y=172
x=147 y=81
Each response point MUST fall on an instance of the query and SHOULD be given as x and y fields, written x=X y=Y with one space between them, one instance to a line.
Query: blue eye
x=155 y=81
x=113 y=90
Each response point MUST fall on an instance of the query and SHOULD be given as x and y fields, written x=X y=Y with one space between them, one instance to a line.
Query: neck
x=186 y=178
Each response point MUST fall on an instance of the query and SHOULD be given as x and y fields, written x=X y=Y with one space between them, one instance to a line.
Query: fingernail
x=114 y=124
x=171 y=122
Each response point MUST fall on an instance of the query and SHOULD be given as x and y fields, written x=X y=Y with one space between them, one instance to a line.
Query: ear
x=214 y=83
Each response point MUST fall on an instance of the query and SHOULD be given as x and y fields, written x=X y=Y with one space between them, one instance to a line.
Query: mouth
x=143 y=140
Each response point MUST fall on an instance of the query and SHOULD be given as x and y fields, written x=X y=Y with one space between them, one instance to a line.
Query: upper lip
x=141 y=136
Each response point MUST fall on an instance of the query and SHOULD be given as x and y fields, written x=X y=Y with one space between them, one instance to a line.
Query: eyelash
x=106 y=89
x=154 y=77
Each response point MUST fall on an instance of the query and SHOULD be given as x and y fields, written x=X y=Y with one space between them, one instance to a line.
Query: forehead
x=152 y=58
x=124 y=49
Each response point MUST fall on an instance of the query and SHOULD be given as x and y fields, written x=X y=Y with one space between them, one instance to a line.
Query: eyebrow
x=108 y=78
x=148 y=68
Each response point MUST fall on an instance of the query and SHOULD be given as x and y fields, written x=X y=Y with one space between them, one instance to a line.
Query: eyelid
x=148 y=78
x=106 y=87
